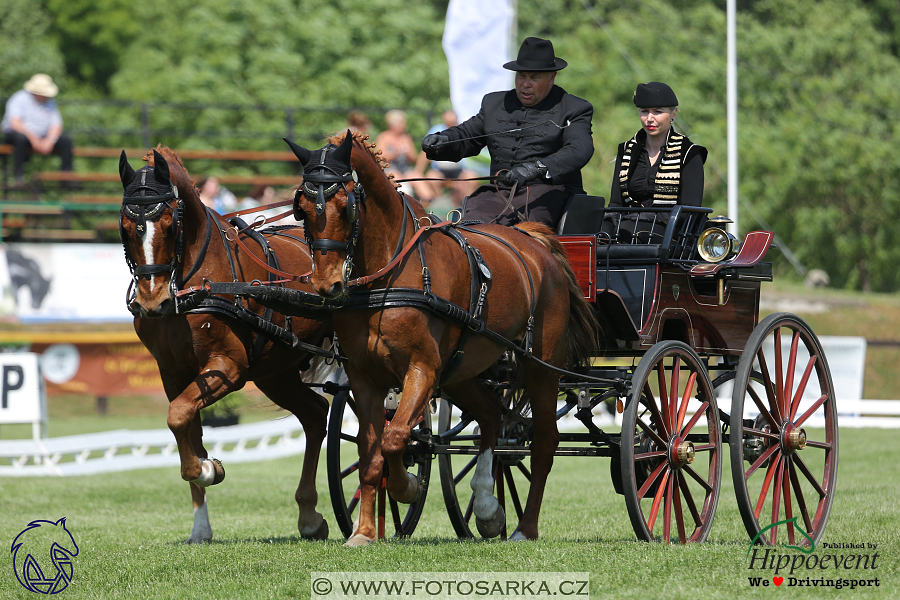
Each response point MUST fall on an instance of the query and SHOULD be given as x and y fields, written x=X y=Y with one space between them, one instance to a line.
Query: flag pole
x=732 y=118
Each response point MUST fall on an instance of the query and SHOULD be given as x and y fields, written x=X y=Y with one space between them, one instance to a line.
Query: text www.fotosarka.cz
x=448 y=586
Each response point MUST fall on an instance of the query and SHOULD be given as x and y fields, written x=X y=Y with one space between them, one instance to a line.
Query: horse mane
x=179 y=176
x=362 y=140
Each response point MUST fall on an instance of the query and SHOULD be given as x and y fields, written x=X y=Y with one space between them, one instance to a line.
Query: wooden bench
x=52 y=221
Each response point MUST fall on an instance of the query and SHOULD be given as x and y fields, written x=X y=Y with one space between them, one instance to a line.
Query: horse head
x=150 y=228
x=329 y=201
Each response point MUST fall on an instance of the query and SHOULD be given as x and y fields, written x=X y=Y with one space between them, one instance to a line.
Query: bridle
x=145 y=202
x=316 y=176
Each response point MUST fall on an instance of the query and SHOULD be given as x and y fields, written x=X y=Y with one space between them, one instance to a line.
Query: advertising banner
x=63 y=282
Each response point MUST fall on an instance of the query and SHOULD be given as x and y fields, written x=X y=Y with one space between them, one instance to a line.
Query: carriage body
x=681 y=352
x=645 y=293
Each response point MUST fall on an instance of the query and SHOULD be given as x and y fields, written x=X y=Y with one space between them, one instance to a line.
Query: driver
x=539 y=138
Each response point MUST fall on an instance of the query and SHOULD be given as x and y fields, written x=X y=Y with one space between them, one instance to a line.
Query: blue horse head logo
x=42 y=556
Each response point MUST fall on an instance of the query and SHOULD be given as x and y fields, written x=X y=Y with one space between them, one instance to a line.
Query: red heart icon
x=778 y=580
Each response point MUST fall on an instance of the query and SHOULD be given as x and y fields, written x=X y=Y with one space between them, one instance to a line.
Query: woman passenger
x=658 y=167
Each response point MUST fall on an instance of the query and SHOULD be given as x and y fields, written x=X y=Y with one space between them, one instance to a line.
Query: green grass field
x=129 y=528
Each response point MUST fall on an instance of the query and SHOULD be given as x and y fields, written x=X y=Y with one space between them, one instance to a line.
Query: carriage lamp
x=715 y=244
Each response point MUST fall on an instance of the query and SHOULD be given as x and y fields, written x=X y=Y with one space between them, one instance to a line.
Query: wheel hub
x=682 y=452
x=793 y=438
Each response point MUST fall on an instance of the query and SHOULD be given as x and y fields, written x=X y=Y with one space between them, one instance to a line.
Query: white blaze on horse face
x=202 y=531
x=148 y=247
x=482 y=484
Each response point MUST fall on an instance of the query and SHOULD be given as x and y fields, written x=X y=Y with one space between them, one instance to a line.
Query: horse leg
x=370 y=412
x=542 y=386
x=201 y=531
x=490 y=518
x=288 y=391
x=418 y=387
x=219 y=378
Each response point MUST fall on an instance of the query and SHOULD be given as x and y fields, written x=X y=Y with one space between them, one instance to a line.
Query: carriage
x=682 y=318
x=678 y=311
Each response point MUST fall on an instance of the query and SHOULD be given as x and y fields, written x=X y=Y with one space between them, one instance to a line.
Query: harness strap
x=391 y=265
x=285 y=276
x=246 y=211
x=198 y=262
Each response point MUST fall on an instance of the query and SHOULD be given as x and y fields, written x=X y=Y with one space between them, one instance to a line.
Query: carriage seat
x=583 y=215
x=619 y=253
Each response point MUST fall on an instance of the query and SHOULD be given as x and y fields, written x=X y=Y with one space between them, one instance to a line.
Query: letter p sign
x=13 y=379
x=22 y=395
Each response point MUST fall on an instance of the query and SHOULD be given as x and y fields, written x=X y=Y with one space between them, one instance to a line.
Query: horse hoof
x=517 y=536
x=192 y=540
x=211 y=472
x=321 y=533
x=491 y=528
x=357 y=540
x=413 y=492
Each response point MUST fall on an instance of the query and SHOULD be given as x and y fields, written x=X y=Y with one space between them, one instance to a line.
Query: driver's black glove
x=525 y=173
x=432 y=142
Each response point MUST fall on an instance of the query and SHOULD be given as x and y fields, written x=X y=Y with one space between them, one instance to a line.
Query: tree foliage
x=818 y=84
x=26 y=48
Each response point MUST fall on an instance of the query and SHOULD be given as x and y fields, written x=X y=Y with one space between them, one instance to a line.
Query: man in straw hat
x=32 y=123
x=539 y=138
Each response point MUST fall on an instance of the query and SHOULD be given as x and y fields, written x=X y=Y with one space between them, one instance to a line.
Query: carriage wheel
x=512 y=478
x=672 y=470
x=784 y=437
x=342 y=461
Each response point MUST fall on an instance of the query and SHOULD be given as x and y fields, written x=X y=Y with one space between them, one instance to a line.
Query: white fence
x=125 y=450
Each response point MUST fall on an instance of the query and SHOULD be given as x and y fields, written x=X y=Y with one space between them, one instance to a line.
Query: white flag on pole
x=476 y=42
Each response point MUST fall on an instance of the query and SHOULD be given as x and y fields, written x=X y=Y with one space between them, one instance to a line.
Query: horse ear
x=161 y=168
x=302 y=154
x=126 y=173
x=343 y=151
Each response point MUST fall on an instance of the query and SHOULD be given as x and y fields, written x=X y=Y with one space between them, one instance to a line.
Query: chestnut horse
x=203 y=351
x=356 y=223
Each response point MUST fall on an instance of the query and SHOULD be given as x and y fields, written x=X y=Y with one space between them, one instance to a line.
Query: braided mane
x=362 y=140
x=171 y=157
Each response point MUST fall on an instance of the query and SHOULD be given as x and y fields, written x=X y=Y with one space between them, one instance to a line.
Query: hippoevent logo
x=837 y=566
x=42 y=556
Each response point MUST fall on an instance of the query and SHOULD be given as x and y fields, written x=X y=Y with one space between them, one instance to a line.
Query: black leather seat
x=583 y=215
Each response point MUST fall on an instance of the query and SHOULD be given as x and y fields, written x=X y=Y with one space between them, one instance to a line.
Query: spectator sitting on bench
x=657 y=168
x=32 y=122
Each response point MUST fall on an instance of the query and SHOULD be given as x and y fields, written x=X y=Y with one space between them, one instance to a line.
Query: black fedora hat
x=536 y=54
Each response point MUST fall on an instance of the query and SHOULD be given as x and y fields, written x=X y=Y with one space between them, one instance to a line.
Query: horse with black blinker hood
x=413 y=328
x=207 y=346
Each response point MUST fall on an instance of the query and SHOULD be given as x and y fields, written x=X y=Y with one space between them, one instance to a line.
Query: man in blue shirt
x=32 y=123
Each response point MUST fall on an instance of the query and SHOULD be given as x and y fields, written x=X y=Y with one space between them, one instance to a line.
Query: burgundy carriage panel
x=580 y=249
x=687 y=309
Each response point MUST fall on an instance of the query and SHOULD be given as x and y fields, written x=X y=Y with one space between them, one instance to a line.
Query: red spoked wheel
x=342 y=461
x=784 y=434
x=672 y=467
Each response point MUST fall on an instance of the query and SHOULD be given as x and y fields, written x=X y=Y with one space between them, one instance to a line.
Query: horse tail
x=584 y=328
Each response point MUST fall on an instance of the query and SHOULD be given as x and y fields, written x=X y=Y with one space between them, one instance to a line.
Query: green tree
x=92 y=34
x=25 y=48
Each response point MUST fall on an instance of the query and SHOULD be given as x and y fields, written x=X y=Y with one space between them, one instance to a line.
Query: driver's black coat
x=543 y=135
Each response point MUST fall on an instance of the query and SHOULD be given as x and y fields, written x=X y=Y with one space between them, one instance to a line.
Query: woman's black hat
x=654 y=95
x=536 y=54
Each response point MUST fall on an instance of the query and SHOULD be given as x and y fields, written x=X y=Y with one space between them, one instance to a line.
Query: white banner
x=63 y=282
x=22 y=397
x=477 y=44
